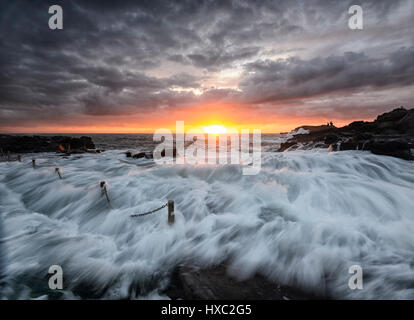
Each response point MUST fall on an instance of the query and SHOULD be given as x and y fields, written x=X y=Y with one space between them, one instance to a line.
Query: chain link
x=149 y=212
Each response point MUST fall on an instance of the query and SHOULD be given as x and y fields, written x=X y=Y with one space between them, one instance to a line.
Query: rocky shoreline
x=391 y=134
x=214 y=283
x=35 y=144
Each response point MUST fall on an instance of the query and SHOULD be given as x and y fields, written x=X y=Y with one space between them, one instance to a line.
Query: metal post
x=34 y=163
x=8 y=156
x=57 y=170
x=171 y=216
x=19 y=158
x=104 y=191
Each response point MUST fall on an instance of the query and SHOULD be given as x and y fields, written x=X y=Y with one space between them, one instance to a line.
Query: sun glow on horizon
x=215 y=129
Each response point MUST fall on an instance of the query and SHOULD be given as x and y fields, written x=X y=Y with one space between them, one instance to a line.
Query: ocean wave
x=303 y=220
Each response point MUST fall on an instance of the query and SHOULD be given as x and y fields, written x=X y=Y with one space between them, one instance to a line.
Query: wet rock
x=216 y=284
x=286 y=145
x=394 y=148
x=139 y=155
x=344 y=146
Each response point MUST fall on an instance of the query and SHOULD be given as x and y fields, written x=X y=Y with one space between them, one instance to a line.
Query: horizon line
x=85 y=133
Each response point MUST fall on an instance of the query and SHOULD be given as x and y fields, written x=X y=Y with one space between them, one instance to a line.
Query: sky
x=137 y=66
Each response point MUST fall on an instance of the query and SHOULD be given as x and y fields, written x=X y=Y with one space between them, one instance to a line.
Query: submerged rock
x=139 y=155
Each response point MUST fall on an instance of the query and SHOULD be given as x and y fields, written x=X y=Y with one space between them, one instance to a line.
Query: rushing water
x=303 y=220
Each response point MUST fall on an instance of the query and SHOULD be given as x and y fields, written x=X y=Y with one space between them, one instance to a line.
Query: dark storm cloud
x=216 y=60
x=296 y=78
x=112 y=56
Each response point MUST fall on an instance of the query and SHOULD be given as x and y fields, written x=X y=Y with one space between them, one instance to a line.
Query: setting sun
x=215 y=129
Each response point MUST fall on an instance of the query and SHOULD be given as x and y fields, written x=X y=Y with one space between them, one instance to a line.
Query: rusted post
x=57 y=170
x=171 y=216
x=34 y=163
x=104 y=191
x=19 y=158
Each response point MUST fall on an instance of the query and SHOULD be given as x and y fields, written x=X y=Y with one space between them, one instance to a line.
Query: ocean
x=303 y=220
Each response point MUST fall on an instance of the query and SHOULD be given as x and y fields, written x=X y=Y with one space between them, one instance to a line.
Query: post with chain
x=171 y=216
x=57 y=170
x=104 y=191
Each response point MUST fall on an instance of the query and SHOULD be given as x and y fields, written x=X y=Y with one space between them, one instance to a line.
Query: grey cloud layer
x=109 y=58
x=297 y=78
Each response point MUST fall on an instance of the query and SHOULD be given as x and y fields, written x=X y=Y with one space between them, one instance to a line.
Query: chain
x=149 y=212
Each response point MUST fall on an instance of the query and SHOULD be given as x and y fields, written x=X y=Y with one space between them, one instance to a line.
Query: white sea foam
x=298 y=131
x=303 y=220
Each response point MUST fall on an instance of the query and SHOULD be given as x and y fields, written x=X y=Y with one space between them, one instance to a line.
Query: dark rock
x=407 y=123
x=286 y=145
x=348 y=146
x=128 y=154
x=139 y=155
x=28 y=144
x=174 y=152
x=331 y=138
x=392 y=134
x=394 y=148
x=361 y=137
x=215 y=284
x=393 y=116
x=359 y=126
x=87 y=142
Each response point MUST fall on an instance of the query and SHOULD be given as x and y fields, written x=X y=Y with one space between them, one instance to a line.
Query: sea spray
x=303 y=220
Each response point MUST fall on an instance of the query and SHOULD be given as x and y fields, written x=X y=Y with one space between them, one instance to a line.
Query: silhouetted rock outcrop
x=29 y=144
x=391 y=134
